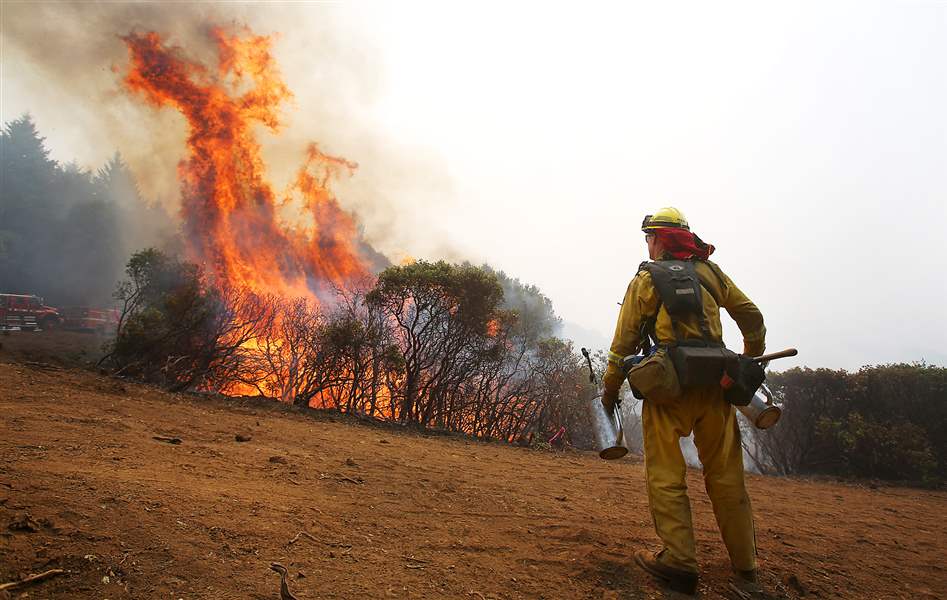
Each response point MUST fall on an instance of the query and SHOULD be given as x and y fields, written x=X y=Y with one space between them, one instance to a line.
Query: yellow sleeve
x=641 y=302
x=747 y=316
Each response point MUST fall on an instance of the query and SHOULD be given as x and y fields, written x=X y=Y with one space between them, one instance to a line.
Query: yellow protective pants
x=717 y=437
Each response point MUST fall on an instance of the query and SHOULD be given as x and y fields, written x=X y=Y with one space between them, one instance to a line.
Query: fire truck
x=26 y=312
x=89 y=320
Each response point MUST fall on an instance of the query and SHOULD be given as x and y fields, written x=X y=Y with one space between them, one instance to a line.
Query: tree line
x=458 y=347
x=430 y=344
x=467 y=349
x=885 y=422
x=67 y=232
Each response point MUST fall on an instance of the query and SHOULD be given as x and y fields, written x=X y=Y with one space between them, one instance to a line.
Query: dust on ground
x=137 y=493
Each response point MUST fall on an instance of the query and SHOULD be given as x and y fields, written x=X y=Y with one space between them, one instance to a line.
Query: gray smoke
x=63 y=62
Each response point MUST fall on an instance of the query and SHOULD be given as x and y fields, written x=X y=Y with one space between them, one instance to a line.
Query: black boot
x=678 y=580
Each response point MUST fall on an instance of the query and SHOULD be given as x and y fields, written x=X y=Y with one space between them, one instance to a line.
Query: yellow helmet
x=665 y=217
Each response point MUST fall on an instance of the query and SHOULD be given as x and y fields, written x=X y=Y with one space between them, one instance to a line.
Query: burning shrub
x=440 y=312
x=363 y=338
x=178 y=332
x=286 y=361
x=477 y=354
x=431 y=344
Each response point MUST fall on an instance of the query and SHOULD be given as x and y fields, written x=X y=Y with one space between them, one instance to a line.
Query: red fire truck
x=20 y=311
x=89 y=320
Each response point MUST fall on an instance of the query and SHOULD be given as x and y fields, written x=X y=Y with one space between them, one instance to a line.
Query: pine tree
x=26 y=175
x=118 y=184
x=23 y=147
x=26 y=171
x=140 y=224
x=64 y=232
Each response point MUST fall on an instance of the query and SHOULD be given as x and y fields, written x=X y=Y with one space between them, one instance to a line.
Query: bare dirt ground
x=57 y=347
x=92 y=483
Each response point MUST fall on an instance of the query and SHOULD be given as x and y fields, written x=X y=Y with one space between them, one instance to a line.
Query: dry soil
x=136 y=493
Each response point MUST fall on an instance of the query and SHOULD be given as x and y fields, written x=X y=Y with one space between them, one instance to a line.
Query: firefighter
x=701 y=410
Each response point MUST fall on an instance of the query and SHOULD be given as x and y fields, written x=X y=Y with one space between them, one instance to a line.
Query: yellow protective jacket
x=641 y=303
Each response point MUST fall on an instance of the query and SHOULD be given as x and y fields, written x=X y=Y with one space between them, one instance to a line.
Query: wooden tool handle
x=781 y=354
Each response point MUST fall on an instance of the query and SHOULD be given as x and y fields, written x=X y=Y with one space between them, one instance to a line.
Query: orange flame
x=228 y=208
x=493 y=328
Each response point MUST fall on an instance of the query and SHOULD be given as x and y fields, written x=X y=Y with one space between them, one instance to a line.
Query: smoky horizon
x=808 y=144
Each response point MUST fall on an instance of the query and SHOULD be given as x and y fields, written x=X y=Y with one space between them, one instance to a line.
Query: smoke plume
x=64 y=63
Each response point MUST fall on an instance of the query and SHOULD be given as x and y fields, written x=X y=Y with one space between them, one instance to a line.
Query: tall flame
x=229 y=210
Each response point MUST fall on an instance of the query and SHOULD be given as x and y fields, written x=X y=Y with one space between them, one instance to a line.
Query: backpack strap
x=646 y=332
x=719 y=276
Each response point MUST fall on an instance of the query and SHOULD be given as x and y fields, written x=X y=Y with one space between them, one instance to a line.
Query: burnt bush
x=178 y=332
x=477 y=355
x=432 y=345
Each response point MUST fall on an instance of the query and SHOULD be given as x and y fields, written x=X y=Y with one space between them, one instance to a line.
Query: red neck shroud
x=682 y=244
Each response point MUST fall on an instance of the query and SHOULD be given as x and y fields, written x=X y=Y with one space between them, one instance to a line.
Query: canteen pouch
x=746 y=376
x=656 y=378
x=699 y=366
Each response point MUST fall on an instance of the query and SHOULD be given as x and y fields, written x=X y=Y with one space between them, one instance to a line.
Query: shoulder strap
x=719 y=276
x=646 y=331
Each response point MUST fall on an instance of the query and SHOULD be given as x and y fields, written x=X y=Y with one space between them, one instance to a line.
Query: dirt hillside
x=94 y=481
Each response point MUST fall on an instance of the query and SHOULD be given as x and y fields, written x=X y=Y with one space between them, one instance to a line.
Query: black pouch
x=745 y=377
x=699 y=366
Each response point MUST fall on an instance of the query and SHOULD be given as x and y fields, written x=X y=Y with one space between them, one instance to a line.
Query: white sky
x=807 y=141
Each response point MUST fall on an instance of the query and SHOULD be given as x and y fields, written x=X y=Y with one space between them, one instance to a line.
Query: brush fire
x=229 y=209
x=214 y=385
x=276 y=294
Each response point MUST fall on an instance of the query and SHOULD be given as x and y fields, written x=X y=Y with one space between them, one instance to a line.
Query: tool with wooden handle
x=781 y=354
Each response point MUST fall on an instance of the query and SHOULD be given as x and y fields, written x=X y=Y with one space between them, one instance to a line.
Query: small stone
x=278 y=459
x=167 y=440
x=24 y=522
x=351 y=462
x=242 y=438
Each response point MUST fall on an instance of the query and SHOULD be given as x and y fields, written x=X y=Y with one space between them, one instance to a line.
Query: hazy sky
x=807 y=141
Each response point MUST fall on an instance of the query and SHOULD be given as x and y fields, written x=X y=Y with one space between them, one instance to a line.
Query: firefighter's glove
x=610 y=401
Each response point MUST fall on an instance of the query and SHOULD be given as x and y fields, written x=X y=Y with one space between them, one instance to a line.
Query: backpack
x=698 y=362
